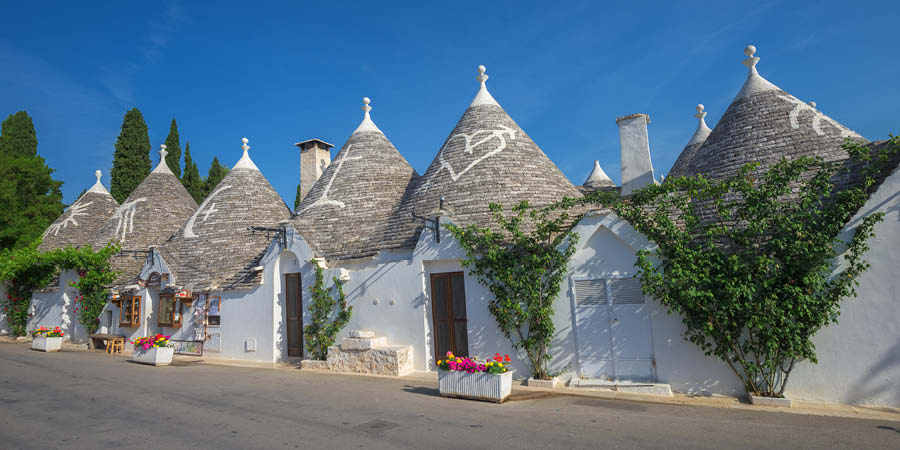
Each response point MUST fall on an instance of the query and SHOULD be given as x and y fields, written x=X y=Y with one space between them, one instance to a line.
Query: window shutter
x=590 y=292
x=626 y=291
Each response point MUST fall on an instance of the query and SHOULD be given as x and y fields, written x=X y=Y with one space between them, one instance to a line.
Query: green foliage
x=297 y=199
x=24 y=270
x=215 y=175
x=751 y=262
x=522 y=265
x=19 y=137
x=29 y=196
x=131 y=160
x=325 y=321
x=191 y=179
x=173 y=147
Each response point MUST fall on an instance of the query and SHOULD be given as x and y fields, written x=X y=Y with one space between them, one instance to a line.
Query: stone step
x=636 y=387
x=367 y=343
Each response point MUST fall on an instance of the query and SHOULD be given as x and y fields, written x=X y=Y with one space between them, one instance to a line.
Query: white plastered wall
x=58 y=309
x=859 y=357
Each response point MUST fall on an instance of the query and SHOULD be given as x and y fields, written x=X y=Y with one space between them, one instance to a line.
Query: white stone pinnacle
x=702 y=129
x=366 y=124
x=162 y=167
x=245 y=162
x=598 y=177
x=755 y=82
x=98 y=187
x=483 y=97
x=813 y=104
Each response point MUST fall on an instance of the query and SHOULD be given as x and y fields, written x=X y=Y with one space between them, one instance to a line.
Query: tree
x=29 y=196
x=297 y=199
x=19 y=137
x=191 y=178
x=131 y=160
x=173 y=147
x=752 y=263
x=215 y=175
x=522 y=265
x=325 y=321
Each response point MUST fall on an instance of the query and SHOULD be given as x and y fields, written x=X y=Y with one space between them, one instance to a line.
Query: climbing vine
x=753 y=263
x=522 y=263
x=25 y=270
x=325 y=322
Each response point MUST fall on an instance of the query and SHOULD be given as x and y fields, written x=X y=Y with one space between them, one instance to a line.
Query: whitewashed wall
x=58 y=309
x=859 y=357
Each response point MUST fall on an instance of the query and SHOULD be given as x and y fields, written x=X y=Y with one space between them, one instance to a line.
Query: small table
x=113 y=342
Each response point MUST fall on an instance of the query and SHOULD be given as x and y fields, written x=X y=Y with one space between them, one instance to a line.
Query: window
x=170 y=311
x=212 y=312
x=130 y=311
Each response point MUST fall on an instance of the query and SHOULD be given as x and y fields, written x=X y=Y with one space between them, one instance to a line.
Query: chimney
x=637 y=170
x=315 y=156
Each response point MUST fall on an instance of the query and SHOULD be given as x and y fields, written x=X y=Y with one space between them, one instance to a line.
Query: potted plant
x=155 y=350
x=47 y=340
x=475 y=379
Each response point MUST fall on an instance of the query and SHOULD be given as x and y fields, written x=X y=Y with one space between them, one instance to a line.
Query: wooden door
x=448 y=295
x=294 y=313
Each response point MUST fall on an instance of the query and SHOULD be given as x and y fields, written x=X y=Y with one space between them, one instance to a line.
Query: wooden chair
x=115 y=346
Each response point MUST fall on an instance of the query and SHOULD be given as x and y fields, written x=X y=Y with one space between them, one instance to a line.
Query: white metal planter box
x=47 y=344
x=478 y=386
x=155 y=356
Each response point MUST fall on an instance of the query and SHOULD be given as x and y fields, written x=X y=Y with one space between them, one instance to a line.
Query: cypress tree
x=131 y=161
x=214 y=176
x=19 y=137
x=191 y=178
x=173 y=146
x=297 y=199
x=29 y=196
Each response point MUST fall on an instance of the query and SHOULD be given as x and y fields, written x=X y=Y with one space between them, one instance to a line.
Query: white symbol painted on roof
x=818 y=117
x=74 y=211
x=125 y=214
x=189 y=227
x=324 y=200
x=471 y=141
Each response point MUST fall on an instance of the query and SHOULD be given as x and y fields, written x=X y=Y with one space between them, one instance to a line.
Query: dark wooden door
x=448 y=296
x=294 y=313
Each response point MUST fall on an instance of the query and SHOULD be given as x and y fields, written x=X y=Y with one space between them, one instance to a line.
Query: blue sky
x=282 y=72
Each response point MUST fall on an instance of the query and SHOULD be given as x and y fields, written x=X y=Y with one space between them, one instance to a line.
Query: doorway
x=448 y=295
x=294 y=314
x=613 y=330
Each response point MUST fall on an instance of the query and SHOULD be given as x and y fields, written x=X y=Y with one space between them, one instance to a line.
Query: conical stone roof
x=214 y=249
x=155 y=209
x=486 y=158
x=78 y=225
x=764 y=124
x=345 y=215
x=683 y=165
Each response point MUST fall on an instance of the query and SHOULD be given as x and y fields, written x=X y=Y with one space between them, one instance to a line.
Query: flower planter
x=155 y=356
x=476 y=386
x=47 y=344
x=770 y=401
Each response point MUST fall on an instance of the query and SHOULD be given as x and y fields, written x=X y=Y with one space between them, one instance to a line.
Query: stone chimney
x=315 y=156
x=637 y=170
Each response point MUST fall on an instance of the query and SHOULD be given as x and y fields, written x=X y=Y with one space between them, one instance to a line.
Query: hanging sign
x=154 y=279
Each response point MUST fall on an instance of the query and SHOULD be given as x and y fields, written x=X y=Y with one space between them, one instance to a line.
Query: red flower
x=506 y=358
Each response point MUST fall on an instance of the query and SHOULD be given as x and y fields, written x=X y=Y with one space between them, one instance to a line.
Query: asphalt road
x=79 y=400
